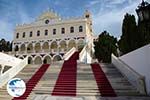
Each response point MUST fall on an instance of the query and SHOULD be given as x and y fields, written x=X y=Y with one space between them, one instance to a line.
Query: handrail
x=82 y=52
x=133 y=77
x=5 y=77
x=8 y=60
x=69 y=53
x=85 y=55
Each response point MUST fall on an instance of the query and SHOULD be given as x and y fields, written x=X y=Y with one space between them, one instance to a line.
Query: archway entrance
x=37 y=47
x=47 y=60
x=22 y=48
x=30 y=48
x=16 y=48
x=44 y=61
x=54 y=46
x=71 y=44
x=57 y=58
x=63 y=46
x=30 y=60
x=38 y=60
x=45 y=47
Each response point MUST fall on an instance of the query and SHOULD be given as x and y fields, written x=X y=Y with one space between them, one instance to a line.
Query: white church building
x=49 y=37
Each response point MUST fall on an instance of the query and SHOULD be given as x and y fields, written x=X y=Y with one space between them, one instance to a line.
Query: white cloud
x=24 y=17
x=111 y=20
x=13 y=14
x=92 y=3
x=114 y=2
x=147 y=0
x=107 y=15
x=6 y=29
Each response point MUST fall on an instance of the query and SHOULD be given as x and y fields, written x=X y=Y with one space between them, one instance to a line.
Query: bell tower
x=87 y=15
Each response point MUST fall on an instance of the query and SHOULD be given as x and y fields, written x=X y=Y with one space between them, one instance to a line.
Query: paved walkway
x=47 y=97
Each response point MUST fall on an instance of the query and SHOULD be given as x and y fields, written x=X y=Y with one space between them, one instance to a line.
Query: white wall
x=139 y=60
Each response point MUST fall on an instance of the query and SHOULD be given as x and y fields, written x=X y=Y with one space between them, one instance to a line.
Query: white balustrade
x=17 y=66
x=69 y=53
x=133 y=77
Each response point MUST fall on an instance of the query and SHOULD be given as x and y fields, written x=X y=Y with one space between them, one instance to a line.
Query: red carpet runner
x=66 y=82
x=33 y=81
x=104 y=86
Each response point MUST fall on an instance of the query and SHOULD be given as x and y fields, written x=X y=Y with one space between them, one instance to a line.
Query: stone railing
x=133 y=77
x=69 y=53
x=82 y=54
x=5 y=77
x=85 y=55
x=44 y=51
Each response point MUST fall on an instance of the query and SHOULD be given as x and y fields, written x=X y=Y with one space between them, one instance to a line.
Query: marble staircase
x=86 y=83
x=25 y=74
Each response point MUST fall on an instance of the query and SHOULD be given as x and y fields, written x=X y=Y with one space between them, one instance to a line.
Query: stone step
x=86 y=84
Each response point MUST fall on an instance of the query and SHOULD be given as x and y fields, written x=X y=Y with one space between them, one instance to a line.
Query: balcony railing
x=37 y=52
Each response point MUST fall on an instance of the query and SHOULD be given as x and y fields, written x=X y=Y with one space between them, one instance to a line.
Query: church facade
x=49 y=37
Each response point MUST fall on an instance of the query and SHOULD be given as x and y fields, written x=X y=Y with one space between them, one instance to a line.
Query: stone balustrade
x=133 y=77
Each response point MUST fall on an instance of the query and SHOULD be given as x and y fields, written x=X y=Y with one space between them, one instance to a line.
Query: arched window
x=46 y=32
x=31 y=34
x=23 y=34
x=38 y=33
x=17 y=36
x=63 y=30
x=80 y=28
x=16 y=48
x=54 y=31
x=71 y=29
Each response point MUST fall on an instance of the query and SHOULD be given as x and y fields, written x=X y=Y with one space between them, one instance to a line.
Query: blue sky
x=106 y=14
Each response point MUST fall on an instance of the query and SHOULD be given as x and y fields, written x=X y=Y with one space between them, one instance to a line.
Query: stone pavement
x=47 y=97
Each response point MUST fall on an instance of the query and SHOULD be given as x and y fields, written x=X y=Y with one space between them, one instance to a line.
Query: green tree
x=10 y=46
x=144 y=33
x=130 y=38
x=104 y=47
x=5 y=45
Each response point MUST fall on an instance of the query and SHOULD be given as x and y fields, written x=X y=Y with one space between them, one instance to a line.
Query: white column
x=25 y=49
x=33 y=48
x=2 y=69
